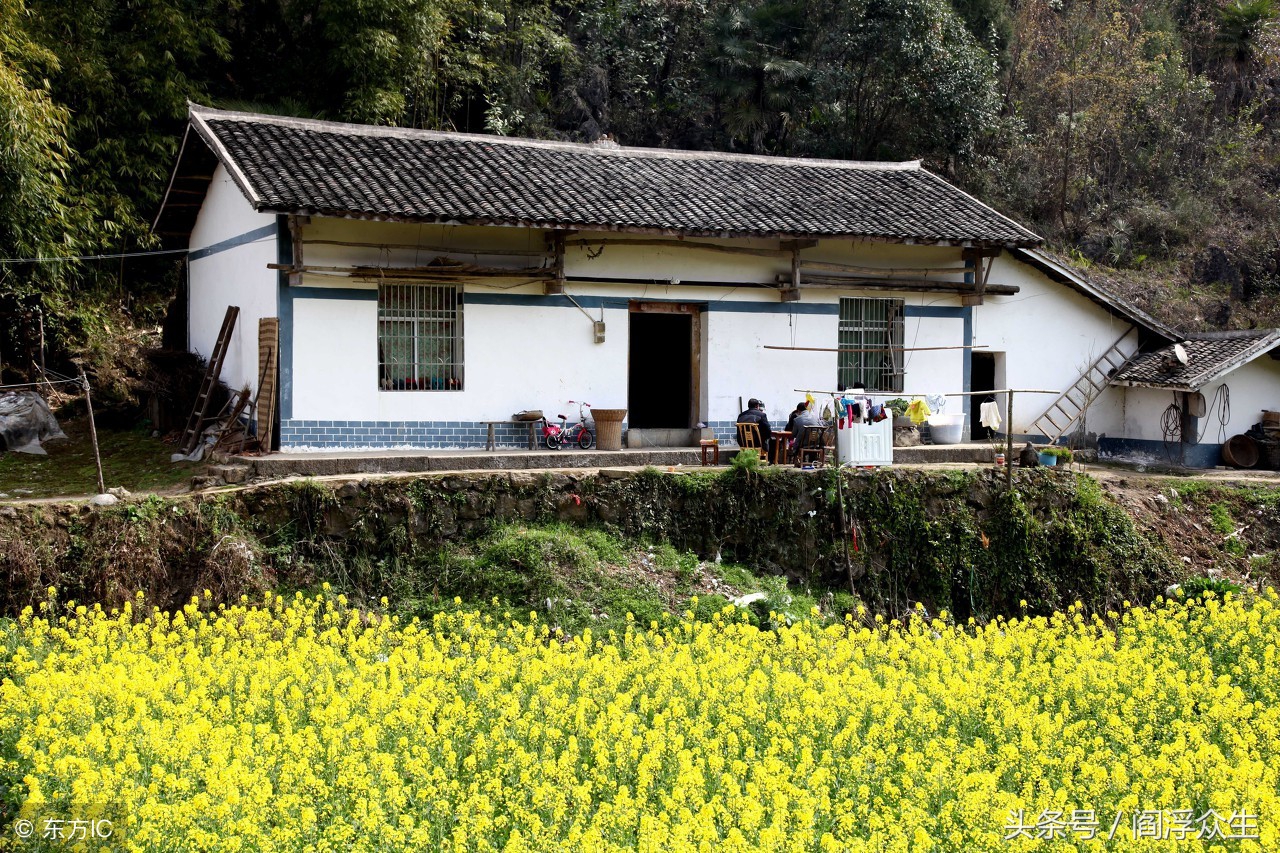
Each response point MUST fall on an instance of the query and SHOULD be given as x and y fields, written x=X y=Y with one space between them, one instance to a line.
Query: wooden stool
x=712 y=444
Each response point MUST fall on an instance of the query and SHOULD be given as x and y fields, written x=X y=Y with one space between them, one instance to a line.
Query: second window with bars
x=419 y=337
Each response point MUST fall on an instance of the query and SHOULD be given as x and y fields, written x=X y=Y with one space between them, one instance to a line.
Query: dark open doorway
x=661 y=370
x=982 y=378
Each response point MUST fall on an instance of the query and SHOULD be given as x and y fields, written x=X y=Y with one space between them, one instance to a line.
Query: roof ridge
x=1231 y=334
x=206 y=114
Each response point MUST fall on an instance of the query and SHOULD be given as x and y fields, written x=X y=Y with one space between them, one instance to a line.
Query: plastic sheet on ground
x=26 y=422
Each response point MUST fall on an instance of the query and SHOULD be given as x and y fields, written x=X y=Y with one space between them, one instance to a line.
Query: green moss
x=956 y=541
x=130 y=458
x=1221 y=522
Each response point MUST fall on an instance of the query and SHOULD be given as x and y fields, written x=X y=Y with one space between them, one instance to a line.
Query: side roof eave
x=1064 y=274
x=1269 y=344
x=200 y=152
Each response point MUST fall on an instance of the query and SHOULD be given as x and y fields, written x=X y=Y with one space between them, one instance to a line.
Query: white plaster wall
x=1050 y=335
x=688 y=264
x=237 y=276
x=738 y=367
x=1253 y=388
x=933 y=371
x=520 y=357
x=406 y=245
x=516 y=357
x=535 y=356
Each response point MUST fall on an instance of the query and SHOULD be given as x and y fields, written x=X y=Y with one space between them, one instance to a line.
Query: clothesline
x=999 y=391
x=40 y=384
x=875 y=349
x=841 y=393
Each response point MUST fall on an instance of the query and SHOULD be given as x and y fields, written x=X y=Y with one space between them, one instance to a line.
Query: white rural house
x=426 y=283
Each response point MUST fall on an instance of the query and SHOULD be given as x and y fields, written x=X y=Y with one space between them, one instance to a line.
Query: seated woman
x=801 y=407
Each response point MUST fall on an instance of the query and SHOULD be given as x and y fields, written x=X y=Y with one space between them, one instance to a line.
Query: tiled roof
x=318 y=168
x=1210 y=355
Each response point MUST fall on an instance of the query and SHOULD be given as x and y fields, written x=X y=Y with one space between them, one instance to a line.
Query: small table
x=781 y=447
x=489 y=443
x=711 y=445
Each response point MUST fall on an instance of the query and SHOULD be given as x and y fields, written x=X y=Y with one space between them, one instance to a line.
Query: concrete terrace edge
x=386 y=462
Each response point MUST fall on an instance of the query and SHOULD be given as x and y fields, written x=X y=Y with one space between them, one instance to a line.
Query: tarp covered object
x=25 y=421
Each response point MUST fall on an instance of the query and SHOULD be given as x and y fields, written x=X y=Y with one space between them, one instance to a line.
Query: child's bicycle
x=556 y=437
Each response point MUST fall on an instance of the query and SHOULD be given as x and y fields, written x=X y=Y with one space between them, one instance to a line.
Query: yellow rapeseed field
x=305 y=724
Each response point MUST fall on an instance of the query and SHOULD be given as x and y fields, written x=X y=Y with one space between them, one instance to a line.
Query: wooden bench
x=489 y=443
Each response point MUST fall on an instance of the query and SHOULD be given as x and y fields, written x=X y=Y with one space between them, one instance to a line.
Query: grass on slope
x=130 y=458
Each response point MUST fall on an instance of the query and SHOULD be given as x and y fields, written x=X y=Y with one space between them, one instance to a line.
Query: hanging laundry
x=990 y=416
x=918 y=411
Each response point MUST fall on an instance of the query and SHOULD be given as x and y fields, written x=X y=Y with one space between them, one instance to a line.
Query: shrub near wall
x=955 y=540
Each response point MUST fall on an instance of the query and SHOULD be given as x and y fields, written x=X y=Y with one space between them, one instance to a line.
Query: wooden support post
x=792 y=293
x=295 y=236
x=1008 y=433
x=555 y=286
x=983 y=259
x=93 y=432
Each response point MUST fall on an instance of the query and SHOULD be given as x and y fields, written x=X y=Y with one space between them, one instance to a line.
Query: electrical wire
x=112 y=257
x=1171 y=427
x=1221 y=399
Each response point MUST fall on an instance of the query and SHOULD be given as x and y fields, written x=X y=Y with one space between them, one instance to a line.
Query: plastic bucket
x=947 y=429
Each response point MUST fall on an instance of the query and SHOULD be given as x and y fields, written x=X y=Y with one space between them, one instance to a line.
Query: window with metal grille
x=871 y=344
x=419 y=337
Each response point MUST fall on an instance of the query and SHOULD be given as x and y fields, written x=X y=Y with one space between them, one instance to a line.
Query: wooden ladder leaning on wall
x=1071 y=405
x=191 y=435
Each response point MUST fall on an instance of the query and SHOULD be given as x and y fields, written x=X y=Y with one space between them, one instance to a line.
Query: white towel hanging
x=990 y=415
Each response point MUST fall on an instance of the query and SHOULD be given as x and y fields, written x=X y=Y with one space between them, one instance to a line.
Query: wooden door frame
x=694 y=310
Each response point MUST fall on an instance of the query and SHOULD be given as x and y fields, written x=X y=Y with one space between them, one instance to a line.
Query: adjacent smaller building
x=1182 y=401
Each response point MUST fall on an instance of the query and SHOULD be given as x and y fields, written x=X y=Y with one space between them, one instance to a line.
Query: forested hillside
x=1140 y=139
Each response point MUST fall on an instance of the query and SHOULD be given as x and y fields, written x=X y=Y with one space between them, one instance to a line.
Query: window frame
x=429 y=307
x=871 y=323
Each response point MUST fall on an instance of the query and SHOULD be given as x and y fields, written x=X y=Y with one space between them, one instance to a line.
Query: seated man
x=755 y=415
x=804 y=419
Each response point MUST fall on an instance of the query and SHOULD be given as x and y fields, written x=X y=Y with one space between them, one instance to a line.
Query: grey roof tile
x=326 y=169
x=1210 y=355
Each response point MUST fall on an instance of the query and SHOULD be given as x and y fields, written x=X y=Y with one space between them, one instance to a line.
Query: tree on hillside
x=759 y=77
x=125 y=73
x=1105 y=110
x=441 y=64
x=896 y=79
x=1244 y=47
x=37 y=217
x=639 y=72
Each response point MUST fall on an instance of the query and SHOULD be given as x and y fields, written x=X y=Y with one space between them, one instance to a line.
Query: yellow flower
x=297 y=726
